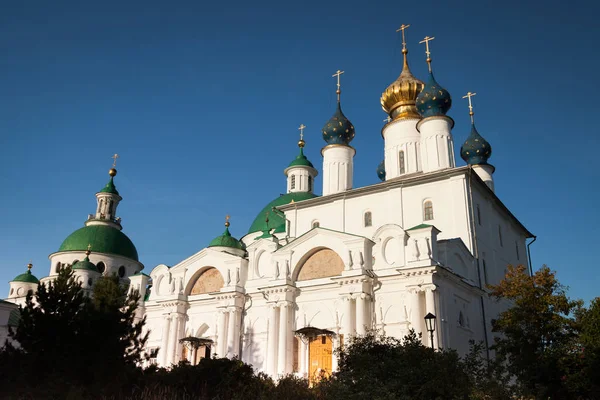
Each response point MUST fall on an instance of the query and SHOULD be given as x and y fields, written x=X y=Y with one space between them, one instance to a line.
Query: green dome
x=103 y=239
x=110 y=187
x=276 y=221
x=26 y=277
x=301 y=160
x=85 y=264
x=226 y=240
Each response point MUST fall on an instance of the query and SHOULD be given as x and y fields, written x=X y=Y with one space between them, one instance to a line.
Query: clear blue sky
x=202 y=101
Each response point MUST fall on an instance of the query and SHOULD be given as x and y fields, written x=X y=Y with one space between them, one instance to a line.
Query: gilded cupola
x=399 y=99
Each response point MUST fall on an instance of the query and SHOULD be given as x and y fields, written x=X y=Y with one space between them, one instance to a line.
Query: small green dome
x=85 y=264
x=276 y=221
x=27 y=277
x=110 y=187
x=301 y=160
x=226 y=240
x=103 y=239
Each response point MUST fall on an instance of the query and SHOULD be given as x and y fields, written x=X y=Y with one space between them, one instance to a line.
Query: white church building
x=314 y=270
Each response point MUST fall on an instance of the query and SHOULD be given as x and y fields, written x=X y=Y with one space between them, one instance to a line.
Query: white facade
x=381 y=257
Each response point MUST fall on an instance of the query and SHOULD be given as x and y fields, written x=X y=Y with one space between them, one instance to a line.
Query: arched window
x=293 y=182
x=12 y=291
x=315 y=224
x=121 y=271
x=368 y=220
x=310 y=183
x=401 y=162
x=428 y=210
x=101 y=267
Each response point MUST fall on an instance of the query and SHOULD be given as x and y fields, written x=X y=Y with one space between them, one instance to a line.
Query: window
x=485 y=275
x=368 y=219
x=401 y=162
x=100 y=267
x=478 y=215
x=310 y=183
x=500 y=235
x=323 y=339
x=316 y=224
x=293 y=182
x=90 y=282
x=461 y=319
x=121 y=271
x=57 y=269
x=12 y=291
x=427 y=210
x=517 y=249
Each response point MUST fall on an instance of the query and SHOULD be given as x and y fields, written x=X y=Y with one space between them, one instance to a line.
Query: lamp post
x=430 y=324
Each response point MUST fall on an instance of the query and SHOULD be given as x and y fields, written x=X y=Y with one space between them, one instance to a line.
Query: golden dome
x=399 y=99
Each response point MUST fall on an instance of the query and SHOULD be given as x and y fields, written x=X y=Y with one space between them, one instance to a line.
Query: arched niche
x=321 y=264
x=209 y=280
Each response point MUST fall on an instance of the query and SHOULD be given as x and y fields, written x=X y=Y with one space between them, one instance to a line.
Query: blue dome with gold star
x=476 y=150
x=381 y=170
x=339 y=129
x=433 y=100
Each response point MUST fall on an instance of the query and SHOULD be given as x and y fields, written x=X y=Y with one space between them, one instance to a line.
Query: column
x=272 y=340
x=430 y=307
x=230 y=351
x=416 y=315
x=302 y=361
x=165 y=341
x=172 y=339
x=348 y=320
x=360 y=314
x=221 y=335
x=180 y=334
x=192 y=355
x=283 y=335
x=334 y=360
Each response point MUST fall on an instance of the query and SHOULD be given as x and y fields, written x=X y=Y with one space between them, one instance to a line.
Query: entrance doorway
x=320 y=351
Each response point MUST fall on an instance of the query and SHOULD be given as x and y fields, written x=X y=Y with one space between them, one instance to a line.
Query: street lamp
x=430 y=324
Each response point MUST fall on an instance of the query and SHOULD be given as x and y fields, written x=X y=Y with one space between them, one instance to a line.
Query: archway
x=209 y=280
x=321 y=264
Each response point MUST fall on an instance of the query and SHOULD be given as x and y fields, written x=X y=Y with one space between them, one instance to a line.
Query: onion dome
x=226 y=240
x=110 y=186
x=85 y=264
x=476 y=150
x=381 y=171
x=434 y=100
x=399 y=99
x=301 y=160
x=274 y=220
x=27 y=277
x=339 y=129
x=103 y=238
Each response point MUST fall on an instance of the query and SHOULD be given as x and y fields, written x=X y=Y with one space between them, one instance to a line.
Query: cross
x=29 y=266
x=115 y=159
x=301 y=128
x=402 y=28
x=227 y=220
x=388 y=119
x=338 y=74
x=89 y=248
x=426 y=40
x=468 y=96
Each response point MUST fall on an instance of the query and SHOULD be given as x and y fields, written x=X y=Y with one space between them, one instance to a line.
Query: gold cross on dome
x=115 y=159
x=227 y=220
x=89 y=248
x=338 y=91
x=388 y=119
x=426 y=40
x=468 y=96
x=402 y=28
x=301 y=128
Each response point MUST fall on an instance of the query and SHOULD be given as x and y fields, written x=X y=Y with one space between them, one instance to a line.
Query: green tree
x=538 y=333
x=385 y=368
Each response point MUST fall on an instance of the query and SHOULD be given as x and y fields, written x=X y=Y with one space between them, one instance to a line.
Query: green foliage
x=385 y=368
x=538 y=334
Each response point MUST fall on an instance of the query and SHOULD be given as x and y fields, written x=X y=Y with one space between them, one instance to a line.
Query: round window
x=101 y=267
x=121 y=271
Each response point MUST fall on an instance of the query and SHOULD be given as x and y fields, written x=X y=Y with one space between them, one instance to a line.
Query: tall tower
x=300 y=173
x=437 y=146
x=402 y=140
x=107 y=201
x=338 y=155
x=476 y=150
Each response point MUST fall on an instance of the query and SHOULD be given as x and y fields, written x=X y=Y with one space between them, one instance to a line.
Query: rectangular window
x=478 y=215
x=500 y=236
x=368 y=219
x=293 y=182
x=310 y=183
x=428 y=211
